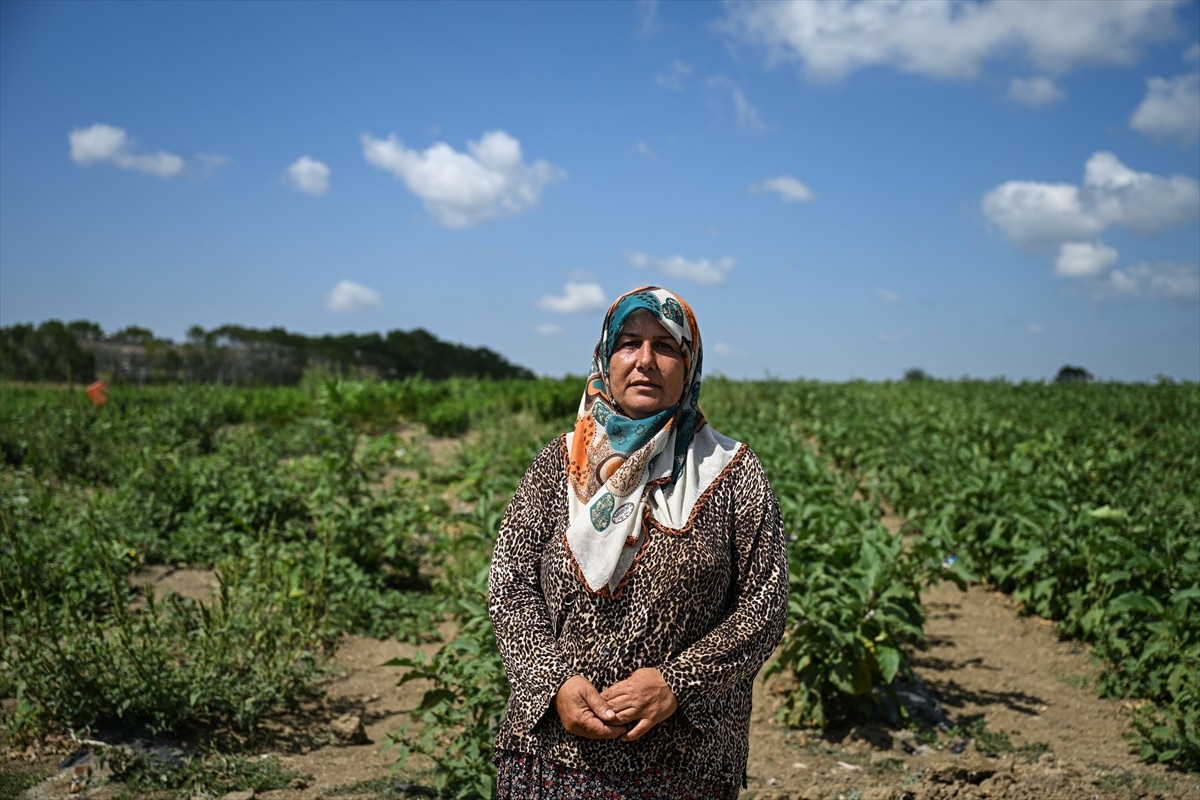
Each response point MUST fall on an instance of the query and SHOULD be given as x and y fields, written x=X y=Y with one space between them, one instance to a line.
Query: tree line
x=80 y=352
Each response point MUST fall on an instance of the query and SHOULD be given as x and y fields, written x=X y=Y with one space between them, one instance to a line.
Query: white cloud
x=747 y=114
x=748 y=118
x=1167 y=281
x=887 y=296
x=788 y=188
x=463 y=189
x=643 y=149
x=829 y=39
x=575 y=299
x=1039 y=215
x=727 y=350
x=648 y=17
x=1035 y=329
x=100 y=143
x=1066 y=220
x=97 y=143
x=1192 y=54
x=1032 y=213
x=208 y=163
x=1171 y=109
x=1084 y=259
x=674 y=77
x=350 y=296
x=890 y=338
x=549 y=329
x=1138 y=200
x=699 y=270
x=1034 y=92
x=309 y=176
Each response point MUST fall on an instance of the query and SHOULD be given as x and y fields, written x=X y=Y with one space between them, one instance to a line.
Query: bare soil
x=983 y=662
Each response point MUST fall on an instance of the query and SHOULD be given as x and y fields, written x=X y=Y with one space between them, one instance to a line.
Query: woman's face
x=646 y=372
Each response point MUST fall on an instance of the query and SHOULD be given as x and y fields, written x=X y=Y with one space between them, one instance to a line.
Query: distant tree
x=1073 y=374
x=16 y=342
x=86 y=330
x=917 y=374
x=134 y=334
x=235 y=354
x=48 y=353
x=197 y=336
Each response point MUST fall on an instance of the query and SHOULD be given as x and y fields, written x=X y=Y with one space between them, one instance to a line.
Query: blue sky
x=840 y=189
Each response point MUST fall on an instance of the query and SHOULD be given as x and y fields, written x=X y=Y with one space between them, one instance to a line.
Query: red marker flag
x=97 y=393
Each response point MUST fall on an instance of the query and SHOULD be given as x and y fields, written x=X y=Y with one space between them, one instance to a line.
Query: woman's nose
x=646 y=355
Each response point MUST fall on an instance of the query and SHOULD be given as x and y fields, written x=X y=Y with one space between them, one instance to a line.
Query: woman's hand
x=584 y=712
x=643 y=697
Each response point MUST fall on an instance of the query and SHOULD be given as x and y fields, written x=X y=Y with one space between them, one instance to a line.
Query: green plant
x=1079 y=500
x=160 y=772
x=169 y=665
x=457 y=720
x=16 y=778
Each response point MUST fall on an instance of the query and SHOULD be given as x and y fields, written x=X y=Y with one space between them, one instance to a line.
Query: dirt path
x=1054 y=739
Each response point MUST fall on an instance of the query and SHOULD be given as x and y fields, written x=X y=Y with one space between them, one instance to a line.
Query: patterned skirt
x=527 y=777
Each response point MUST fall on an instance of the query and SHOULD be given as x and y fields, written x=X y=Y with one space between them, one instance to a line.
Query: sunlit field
x=370 y=508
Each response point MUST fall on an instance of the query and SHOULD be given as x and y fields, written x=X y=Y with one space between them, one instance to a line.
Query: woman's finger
x=639 y=730
x=583 y=712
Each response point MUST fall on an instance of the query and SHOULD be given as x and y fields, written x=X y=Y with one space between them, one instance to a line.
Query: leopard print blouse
x=704 y=603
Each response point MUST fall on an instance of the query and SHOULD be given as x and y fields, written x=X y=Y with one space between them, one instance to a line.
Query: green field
x=331 y=507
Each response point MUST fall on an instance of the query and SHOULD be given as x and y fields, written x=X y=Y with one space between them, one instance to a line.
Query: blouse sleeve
x=521 y=620
x=733 y=651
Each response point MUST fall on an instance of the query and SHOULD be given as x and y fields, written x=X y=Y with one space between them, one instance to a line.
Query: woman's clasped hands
x=627 y=710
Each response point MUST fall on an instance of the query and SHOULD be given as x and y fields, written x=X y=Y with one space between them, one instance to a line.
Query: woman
x=639 y=582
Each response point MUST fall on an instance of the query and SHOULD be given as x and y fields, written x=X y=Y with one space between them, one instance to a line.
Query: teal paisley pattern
x=602 y=511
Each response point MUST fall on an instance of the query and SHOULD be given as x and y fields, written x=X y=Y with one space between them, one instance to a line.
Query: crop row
x=1081 y=501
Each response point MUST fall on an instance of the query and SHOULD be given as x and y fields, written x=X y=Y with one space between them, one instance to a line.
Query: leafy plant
x=158 y=772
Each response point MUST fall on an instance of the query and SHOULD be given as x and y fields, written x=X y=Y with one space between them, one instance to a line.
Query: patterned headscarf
x=614 y=457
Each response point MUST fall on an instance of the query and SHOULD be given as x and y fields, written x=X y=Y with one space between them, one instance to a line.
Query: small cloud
x=890 y=338
x=727 y=350
x=348 y=296
x=1166 y=281
x=887 y=296
x=1034 y=329
x=1084 y=259
x=747 y=114
x=576 y=298
x=700 y=270
x=549 y=329
x=464 y=189
x=1192 y=54
x=648 y=21
x=1034 y=92
x=788 y=188
x=748 y=118
x=643 y=149
x=674 y=76
x=1171 y=109
x=309 y=176
x=100 y=143
x=208 y=163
